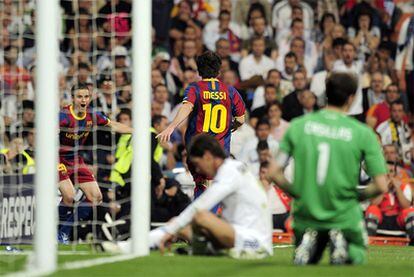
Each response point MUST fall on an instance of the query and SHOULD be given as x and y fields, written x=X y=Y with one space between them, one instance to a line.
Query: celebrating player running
x=211 y=107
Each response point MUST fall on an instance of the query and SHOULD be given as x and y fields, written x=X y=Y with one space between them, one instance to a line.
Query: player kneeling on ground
x=327 y=147
x=245 y=226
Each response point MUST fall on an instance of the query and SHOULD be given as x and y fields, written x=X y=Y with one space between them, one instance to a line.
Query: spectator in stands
x=326 y=25
x=264 y=155
x=185 y=60
x=124 y=97
x=386 y=60
x=381 y=112
x=223 y=28
x=274 y=79
x=191 y=34
x=290 y=66
x=257 y=63
x=184 y=177
x=392 y=210
x=307 y=101
x=115 y=16
x=291 y=101
x=282 y=15
x=167 y=199
x=279 y=202
x=83 y=74
x=158 y=124
x=223 y=51
x=278 y=126
x=162 y=62
x=11 y=73
x=396 y=131
x=121 y=79
x=374 y=94
x=350 y=65
x=246 y=11
x=307 y=53
x=373 y=67
x=156 y=78
x=364 y=35
x=180 y=22
x=270 y=95
x=249 y=153
x=26 y=120
x=259 y=28
x=15 y=160
x=229 y=77
x=405 y=60
x=106 y=98
x=392 y=155
x=160 y=95
x=303 y=58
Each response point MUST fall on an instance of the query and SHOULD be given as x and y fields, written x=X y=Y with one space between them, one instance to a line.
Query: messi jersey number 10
x=215 y=118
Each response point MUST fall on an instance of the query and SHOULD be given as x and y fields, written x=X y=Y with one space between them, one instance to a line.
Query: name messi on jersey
x=214 y=95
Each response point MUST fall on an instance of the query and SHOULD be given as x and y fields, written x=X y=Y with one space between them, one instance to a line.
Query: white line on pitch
x=95 y=262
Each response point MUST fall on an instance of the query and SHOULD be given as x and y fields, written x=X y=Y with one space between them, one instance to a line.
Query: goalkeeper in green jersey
x=327 y=147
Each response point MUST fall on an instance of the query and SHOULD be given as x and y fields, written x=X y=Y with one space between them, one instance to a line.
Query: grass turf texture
x=382 y=261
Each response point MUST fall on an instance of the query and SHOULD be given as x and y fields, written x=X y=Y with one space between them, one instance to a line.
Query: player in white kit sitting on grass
x=244 y=229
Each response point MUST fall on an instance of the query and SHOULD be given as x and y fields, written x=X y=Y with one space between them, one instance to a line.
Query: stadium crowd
x=277 y=54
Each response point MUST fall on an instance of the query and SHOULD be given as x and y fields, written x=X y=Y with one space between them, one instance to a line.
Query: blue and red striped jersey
x=74 y=130
x=215 y=106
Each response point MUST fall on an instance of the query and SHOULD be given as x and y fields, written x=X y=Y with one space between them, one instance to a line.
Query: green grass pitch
x=382 y=261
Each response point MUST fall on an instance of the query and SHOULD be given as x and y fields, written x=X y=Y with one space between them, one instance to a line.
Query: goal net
x=95 y=49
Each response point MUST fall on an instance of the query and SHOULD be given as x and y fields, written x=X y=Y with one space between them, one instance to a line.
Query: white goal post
x=47 y=105
x=46 y=122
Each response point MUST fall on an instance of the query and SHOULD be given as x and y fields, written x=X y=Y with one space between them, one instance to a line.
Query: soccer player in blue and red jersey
x=76 y=122
x=211 y=107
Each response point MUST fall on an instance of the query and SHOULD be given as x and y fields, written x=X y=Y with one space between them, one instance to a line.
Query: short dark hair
x=290 y=55
x=271 y=71
x=79 y=86
x=273 y=103
x=124 y=111
x=397 y=102
x=393 y=85
x=269 y=86
x=255 y=38
x=208 y=64
x=324 y=17
x=296 y=20
x=349 y=43
x=205 y=142
x=156 y=119
x=224 y=12
x=84 y=66
x=339 y=87
x=160 y=85
x=262 y=121
x=264 y=164
x=262 y=145
x=338 y=42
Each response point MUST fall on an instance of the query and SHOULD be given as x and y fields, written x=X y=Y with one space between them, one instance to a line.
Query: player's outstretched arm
x=375 y=188
x=120 y=128
x=182 y=114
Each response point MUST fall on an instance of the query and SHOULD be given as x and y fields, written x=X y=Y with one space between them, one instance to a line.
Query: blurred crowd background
x=276 y=53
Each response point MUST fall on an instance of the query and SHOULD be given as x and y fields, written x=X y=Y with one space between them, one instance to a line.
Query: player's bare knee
x=68 y=199
x=95 y=198
x=200 y=218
